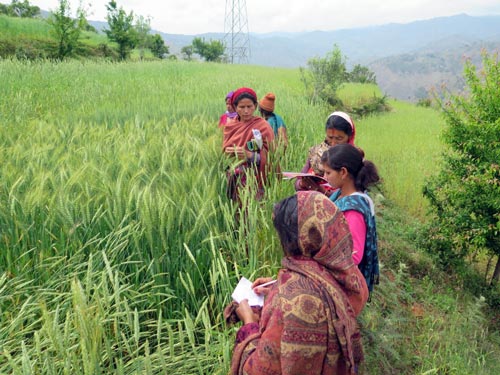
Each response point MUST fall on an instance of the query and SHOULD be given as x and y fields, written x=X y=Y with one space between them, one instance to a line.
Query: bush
x=375 y=104
x=465 y=194
x=324 y=77
x=104 y=50
x=424 y=102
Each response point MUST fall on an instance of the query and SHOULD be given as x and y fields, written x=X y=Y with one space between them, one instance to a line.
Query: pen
x=266 y=284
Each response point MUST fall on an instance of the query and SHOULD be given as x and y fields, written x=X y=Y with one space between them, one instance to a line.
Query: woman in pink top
x=346 y=170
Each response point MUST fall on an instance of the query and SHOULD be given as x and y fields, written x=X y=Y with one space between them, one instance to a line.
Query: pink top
x=357 y=226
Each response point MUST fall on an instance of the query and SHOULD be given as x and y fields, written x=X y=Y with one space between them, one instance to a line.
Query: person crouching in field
x=340 y=129
x=308 y=322
x=346 y=170
x=248 y=138
x=266 y=109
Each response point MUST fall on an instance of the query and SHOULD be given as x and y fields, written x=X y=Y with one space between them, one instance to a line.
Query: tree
x=362 y=74
x=121 y=29
x=187 y=52
x=325 y=76
x=143 y=27
x=4 y=9
x=465 y=194
x=211 y=51
x=21 y=9
x=65 y=29
x=158 y=46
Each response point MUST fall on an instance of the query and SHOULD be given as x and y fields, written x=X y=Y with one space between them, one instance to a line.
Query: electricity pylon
x=236 y=37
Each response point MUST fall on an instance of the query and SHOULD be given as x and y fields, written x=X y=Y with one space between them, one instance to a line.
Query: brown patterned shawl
x=308 y=323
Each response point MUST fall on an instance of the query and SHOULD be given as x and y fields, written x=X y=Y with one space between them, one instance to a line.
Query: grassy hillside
x=119 y=250
x=31 y=38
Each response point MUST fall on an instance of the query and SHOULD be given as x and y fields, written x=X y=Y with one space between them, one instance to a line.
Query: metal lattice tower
x=236 y=37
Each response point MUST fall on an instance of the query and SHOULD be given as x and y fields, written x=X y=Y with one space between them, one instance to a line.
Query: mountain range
x=407 y=59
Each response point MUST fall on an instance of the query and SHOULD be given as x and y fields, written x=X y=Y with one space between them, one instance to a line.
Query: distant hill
x=438 y=66
x=408 y=59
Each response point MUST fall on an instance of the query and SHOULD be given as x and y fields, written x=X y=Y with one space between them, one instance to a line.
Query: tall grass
x=24 y=27
x=118 y=247
x=406 y=147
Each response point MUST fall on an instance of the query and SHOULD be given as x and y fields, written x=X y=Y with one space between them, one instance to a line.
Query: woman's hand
x=240 y=152
x=262 y=290
x=245 y=313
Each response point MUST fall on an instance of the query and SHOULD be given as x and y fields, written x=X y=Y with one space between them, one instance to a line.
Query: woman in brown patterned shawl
x=308 y=322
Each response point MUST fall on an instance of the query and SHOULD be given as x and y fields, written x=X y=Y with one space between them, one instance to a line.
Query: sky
x=203 y=16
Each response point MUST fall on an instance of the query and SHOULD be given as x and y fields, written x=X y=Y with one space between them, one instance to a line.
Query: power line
x=236 y=36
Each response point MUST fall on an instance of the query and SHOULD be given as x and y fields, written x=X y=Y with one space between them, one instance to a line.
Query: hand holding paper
x=244 y=291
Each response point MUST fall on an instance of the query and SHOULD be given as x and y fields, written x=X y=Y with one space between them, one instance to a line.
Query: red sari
x=238 y=133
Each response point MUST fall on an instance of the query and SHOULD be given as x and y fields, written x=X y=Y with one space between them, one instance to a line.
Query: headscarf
x=326 y=263
x=243 y=90
x=228 y=115
x=325 y=237
x=348 y=118
x=238 y=133
x=267 y=102
x=317 y=151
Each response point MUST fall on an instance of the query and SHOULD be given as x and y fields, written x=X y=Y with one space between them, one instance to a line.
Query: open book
x=244 y=291
x=318 y=179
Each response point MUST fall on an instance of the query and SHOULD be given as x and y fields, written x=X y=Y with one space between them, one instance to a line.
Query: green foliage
x=465 y=194
x=324 y=76
x=121 y=29
x=158 y=46
x=375 y=104
x=361 y=74
x=32 y=38
x=187 y=52
x=104 y=50
x=65 y=29
x=117 y=241
x=210 y=51
x=424 y=102
x=420 y=318
x=19 y=8
x=143 y=27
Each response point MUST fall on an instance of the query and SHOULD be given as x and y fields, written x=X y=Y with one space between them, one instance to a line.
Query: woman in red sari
x=247 y=138
x=308 y=322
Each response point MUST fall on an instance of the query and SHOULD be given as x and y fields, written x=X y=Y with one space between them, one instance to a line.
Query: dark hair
x=286 y=222
x=339 y=123
x=265 y=113
x=350 y=157
x=245 y=95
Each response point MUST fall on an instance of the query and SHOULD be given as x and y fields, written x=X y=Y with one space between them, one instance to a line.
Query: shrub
x=324 y=77
x=375 y=104
x=424 y=102
x=465 y=194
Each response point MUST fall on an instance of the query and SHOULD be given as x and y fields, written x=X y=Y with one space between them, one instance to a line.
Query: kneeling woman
x=308 y=322
x=248 y=138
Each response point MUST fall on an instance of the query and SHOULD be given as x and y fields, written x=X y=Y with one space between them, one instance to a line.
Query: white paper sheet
x=244 y=291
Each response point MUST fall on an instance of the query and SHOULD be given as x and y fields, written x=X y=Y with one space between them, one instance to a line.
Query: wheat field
x=119 y=249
